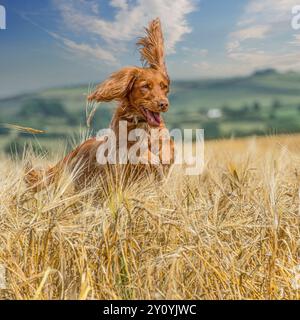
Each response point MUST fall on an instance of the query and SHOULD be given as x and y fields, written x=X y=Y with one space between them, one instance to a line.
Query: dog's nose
x=163 y=104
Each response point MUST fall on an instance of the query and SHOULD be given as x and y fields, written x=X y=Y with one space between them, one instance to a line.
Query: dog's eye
x=145 y=86
x=164 y=86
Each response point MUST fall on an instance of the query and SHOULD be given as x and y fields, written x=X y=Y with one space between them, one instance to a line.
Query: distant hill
x=264 y=102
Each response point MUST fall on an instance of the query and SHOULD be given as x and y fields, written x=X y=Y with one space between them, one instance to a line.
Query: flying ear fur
x=152 y=47
x=116 y=87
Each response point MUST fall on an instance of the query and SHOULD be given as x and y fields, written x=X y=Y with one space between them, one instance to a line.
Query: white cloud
x=260 y=21
x=261 y=59
x=86 y=18
x=81 y=49
x=238 y=37
x=121 y=4
x=195 y=52
x=232 y=46
x=261 y=18
x=96 y=52
x=84 y=49
x=256 y=32
x=269 y=11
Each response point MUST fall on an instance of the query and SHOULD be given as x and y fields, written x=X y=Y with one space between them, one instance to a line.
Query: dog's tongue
x=153 y=118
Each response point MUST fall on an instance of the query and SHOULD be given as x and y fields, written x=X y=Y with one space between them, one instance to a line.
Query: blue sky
x=63 y=42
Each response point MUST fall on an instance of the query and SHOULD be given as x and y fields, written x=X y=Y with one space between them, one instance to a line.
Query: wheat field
x=230 y=233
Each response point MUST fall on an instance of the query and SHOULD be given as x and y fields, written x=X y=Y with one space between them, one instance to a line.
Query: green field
x=263 y=103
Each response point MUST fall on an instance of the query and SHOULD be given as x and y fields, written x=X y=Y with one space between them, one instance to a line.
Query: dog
x=142 y=95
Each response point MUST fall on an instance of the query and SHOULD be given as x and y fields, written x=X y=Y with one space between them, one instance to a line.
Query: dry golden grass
x=231 y=233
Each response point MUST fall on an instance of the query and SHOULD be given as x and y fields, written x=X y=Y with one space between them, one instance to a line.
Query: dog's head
x=144 y=89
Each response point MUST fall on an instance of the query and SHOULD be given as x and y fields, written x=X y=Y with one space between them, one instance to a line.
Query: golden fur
x=142 y=96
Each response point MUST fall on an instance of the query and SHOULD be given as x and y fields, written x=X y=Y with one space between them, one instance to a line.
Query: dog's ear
x=152 y=47
x=116 y=87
